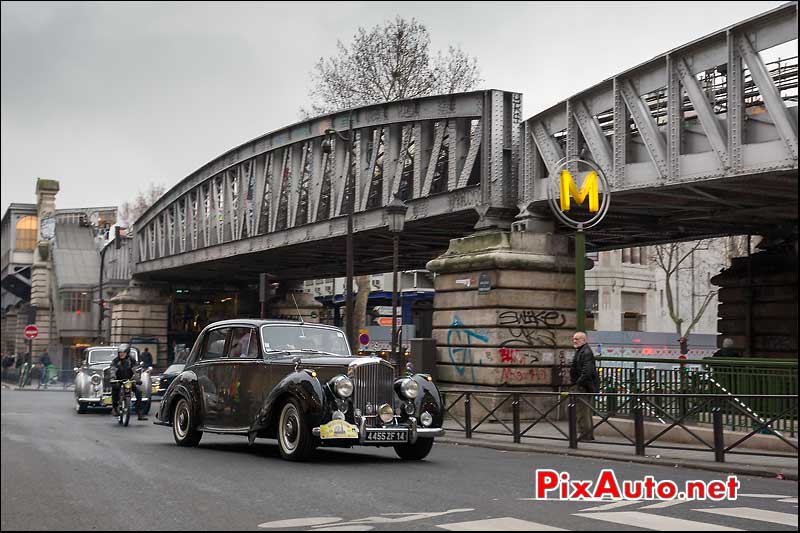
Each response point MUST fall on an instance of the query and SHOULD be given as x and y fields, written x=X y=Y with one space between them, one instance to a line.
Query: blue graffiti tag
x=462 y=336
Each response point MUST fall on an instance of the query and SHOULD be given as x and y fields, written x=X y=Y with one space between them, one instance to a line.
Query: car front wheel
x=294 y=436
x=184 y=428
x=80 y=408
x=414 y=452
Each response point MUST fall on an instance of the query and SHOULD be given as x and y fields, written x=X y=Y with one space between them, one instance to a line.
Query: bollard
x=719 y=436
x=638 y=428
x=515 y=414
x=573 y=423
x=468 y=416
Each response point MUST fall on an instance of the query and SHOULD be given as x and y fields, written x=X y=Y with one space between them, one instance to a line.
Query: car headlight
x=96 y=379
x=386 y=413
x=342 y=386
x=409 y=388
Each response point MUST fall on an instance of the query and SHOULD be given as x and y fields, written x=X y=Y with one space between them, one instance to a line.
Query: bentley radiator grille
x=372 y=383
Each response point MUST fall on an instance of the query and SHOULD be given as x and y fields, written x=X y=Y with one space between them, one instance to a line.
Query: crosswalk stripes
x=655 y=522
x=498 y=524
x=750 y=513
x=665 y=504
x=610 y=506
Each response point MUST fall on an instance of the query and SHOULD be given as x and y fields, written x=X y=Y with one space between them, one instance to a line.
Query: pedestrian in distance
x=585 y=379
x=727 y=349
x=146 y=358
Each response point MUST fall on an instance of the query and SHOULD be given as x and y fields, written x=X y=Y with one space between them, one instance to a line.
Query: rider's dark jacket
x=123 y=367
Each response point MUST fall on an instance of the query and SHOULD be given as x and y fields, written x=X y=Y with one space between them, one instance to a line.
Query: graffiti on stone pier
x=463 y=355
x=533 y=327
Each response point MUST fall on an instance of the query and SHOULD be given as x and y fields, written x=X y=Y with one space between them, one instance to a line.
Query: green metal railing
x=751 y=377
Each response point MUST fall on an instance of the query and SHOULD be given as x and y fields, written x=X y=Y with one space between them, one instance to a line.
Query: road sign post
x=30 y=332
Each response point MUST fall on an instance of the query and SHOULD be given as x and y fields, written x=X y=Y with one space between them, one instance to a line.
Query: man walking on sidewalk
x=585 y=378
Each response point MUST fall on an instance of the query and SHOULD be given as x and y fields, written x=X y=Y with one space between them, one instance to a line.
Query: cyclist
x=124 y=366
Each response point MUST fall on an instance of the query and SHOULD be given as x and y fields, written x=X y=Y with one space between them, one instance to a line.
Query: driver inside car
x=124 y=366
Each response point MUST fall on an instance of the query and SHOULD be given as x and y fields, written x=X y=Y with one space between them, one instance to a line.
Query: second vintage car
x=93 y=380
x=300 y=384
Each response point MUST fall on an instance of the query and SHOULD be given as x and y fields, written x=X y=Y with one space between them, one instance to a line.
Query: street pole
x=580 y=282
x=349 y=246
x=102 y=301
x=395 y=254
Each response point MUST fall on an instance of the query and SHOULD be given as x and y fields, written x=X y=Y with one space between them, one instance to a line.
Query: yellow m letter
x=588 y=188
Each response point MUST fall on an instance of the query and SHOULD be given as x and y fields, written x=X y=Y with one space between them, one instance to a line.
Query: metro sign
x=594 y=188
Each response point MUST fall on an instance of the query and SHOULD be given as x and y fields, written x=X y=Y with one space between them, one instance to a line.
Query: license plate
x=338 y=429
x=107 y=400
x=393 y=436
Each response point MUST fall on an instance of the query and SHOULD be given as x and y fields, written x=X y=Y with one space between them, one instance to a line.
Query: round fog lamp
x=409 y=388
x=386 y=413
x=426 y=419
x=338 y=415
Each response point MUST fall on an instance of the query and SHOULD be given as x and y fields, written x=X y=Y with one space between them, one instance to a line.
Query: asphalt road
x=61 y=470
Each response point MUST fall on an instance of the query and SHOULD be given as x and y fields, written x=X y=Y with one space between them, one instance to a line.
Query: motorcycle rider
x=124 y=366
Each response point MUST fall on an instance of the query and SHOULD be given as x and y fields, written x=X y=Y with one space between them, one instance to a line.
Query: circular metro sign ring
x=562 y=190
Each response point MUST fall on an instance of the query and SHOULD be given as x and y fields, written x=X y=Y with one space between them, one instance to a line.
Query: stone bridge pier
x=504 y=310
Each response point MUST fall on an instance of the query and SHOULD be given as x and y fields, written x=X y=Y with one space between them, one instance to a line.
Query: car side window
x=215 y=344
x=244 y=343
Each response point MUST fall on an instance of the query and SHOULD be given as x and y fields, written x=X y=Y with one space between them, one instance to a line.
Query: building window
x=590 y=305
x=635 y=256
x=26 y=233
x=633 y=312
x=76 y=302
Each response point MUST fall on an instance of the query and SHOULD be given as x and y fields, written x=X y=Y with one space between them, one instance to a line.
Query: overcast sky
x=108 y=97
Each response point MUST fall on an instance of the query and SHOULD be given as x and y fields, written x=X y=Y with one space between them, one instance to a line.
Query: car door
x=207 y=371
x=248 y=372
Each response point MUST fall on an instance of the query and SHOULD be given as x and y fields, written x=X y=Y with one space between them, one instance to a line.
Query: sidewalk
x=612 y=448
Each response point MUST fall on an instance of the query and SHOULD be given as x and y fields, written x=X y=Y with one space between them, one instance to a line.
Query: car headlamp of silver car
x=407 y=388
x=96 y=379
x=342 y=386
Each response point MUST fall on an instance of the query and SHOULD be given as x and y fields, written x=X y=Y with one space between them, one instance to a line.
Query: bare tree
x=669 y=258
x=130 y=211
x=386 y=63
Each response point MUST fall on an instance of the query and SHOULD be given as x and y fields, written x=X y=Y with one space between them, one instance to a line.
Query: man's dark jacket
x=583 y=371
x=726 y=352
x=147 y=359
x=123 y=367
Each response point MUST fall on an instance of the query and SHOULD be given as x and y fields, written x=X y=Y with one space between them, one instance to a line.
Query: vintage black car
x=298 y=382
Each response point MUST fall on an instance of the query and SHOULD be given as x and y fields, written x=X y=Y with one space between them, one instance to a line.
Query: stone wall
x=141 y=312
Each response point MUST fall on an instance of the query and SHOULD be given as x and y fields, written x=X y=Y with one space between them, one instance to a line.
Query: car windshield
x=106 y=355
x=304 y=338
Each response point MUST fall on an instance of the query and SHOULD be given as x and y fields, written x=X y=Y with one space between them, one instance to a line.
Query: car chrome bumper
x=414 y=432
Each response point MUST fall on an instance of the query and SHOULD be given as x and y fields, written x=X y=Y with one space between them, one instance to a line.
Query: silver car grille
x=372 y=384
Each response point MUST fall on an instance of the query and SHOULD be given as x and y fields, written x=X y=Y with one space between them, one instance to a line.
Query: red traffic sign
x=31 y=331
x=386 y=321
x=363 y=339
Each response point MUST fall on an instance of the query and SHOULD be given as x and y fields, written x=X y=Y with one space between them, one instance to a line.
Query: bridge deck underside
x=420 y=242
x=755 y=204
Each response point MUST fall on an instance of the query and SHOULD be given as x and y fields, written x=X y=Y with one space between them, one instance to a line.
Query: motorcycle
x=49 y=376
x=124 y=401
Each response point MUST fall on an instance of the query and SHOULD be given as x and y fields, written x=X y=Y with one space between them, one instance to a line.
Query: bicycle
x=24 y=375
x=49 y=376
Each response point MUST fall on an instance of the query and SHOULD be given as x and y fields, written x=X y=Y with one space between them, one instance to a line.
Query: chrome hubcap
x=290 y=425
x=182 y=420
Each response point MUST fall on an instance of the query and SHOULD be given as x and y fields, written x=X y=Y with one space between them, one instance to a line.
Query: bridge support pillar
x=294 y=299
x=504 y=311
x=140 y=312
x=758 y=301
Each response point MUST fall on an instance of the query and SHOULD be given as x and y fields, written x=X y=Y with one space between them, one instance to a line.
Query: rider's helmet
x=124 y=347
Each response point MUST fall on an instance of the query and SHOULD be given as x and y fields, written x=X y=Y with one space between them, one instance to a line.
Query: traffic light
x=684 y=344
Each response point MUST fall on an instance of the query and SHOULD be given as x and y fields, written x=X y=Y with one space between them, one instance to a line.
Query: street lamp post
x=349 y=268
x=396 y=213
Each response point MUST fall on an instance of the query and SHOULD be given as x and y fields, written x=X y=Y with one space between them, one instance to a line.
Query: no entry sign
x=31 y=331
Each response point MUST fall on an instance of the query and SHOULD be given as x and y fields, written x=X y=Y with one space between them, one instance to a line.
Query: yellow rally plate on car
x=154 y=389
x=338 y=429
x=107 y=400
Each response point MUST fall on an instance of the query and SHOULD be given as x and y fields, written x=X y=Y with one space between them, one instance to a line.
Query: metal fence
x=517 y=414
x=36 y=377
x=759 y=379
